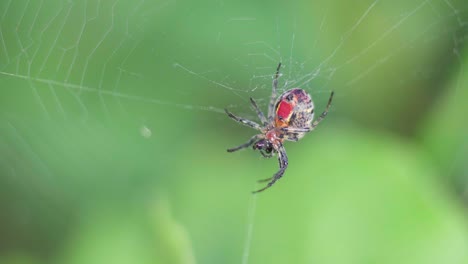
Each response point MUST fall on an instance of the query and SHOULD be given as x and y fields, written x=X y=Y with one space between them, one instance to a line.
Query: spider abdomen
x=294 y=109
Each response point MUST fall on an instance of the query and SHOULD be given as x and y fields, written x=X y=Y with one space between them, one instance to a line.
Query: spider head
x=264 y=144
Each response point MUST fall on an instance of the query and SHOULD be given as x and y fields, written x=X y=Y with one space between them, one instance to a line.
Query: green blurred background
x=113 y=137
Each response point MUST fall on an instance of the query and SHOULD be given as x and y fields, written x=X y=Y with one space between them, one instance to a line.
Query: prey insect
x=290 y=117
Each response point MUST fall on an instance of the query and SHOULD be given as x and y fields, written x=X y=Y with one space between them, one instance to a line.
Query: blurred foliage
x=113 y=138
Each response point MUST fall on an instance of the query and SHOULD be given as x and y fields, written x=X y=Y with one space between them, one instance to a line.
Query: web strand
x=250 y=228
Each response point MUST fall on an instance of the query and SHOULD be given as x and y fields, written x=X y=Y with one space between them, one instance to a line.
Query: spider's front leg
x=265 y=154
x=245 y=145
x=283 y=163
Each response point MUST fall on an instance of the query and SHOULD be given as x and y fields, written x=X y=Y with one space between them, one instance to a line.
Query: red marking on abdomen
x=284 y=110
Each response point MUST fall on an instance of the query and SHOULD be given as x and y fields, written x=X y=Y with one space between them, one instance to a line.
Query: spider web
x=86 y=53
x=97 y=60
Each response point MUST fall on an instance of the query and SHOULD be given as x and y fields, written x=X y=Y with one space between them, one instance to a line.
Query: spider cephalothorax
x=290 y=117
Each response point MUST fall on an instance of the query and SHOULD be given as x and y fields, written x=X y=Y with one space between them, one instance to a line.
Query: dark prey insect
x=290 y=117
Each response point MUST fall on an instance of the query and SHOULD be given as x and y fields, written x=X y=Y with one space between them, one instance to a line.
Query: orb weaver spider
x=290 y=117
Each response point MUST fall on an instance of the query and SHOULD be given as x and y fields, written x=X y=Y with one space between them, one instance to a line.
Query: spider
x=289 y=118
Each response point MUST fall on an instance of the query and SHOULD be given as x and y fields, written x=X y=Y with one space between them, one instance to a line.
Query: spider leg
x=324 y=114
x=266 y=155
x=265 y=180
x=292 y=130
x=283 y=163
x=243 y=121
x=296 y=129
x=271 y=106
x=259 y=112
x=245 y=145
x=294 y=134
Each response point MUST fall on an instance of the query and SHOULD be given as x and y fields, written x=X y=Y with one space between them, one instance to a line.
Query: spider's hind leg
x=271 y=105
x=324 y=114
x=259 y=111
x=243 y=121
